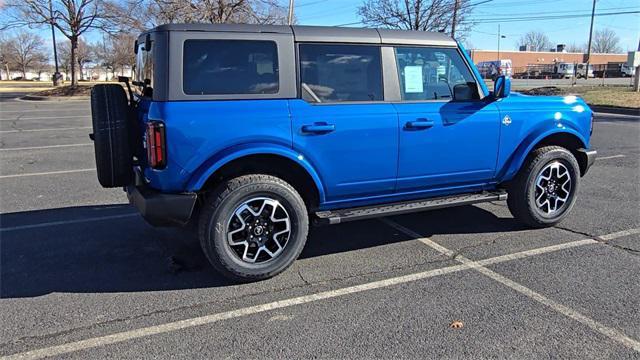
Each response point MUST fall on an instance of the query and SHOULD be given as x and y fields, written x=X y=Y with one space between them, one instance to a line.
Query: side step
x=366 y=212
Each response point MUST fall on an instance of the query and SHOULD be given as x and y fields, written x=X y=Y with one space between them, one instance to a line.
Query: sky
x=483 y=35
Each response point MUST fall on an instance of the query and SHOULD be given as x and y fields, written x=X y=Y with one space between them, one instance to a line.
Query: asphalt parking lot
x=82 y=276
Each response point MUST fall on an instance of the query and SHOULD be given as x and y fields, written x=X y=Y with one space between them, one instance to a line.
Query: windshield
x=144 y=70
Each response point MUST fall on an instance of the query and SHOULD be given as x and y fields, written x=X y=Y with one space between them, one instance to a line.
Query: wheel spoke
x=258 y=230
x=552 y=188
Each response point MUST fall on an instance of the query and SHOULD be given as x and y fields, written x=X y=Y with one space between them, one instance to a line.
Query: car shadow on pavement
x=124 y=254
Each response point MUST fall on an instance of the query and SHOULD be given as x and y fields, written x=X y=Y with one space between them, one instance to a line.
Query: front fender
x=528 y=144
x=209 y=167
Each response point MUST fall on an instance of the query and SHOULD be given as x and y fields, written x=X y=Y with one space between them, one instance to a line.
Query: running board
x=366 y=212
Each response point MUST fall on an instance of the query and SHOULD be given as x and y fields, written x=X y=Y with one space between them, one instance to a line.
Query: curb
x=52 y=98
x=615 y=110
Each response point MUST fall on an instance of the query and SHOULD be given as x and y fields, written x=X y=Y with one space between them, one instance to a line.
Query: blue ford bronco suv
x=253 y=132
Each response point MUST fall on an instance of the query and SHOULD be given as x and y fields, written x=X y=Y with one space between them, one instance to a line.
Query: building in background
x=524 y=58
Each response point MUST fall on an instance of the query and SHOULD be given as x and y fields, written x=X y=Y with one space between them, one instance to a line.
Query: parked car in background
x=493 y=69
x=254 y=132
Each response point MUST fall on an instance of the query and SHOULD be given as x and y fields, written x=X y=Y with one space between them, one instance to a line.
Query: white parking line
x=618 y=115
x=50 y=129
x=609 y=332
x=49 y=110
x=58 y=102
x=66 y=222
x=619 y=234
x=46 y=173
x=48 y=117
x=213 y=318
x=45 y=147
x=611 y=157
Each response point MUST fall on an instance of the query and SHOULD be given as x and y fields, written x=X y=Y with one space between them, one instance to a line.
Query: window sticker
x=413 y=79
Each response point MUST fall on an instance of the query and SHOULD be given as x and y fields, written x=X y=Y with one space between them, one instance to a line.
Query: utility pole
x=56 y=74
x=290 y=17
x=499 y=37
x=593 y=14
x=455 y=15
x=636 y=81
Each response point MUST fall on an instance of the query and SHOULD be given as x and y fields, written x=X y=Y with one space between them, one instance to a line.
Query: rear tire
x=253 y=227
x=544 y=190
x=111 y=133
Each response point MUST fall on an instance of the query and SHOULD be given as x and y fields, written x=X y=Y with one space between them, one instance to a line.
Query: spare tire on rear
x=111 y=124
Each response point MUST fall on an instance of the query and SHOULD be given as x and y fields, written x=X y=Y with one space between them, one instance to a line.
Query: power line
x=527 y=18
x=548 y=17
x=573 y=12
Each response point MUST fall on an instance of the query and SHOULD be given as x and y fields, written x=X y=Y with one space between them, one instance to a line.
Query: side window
x=219 y=67
x=434 y=74
x=334 y=73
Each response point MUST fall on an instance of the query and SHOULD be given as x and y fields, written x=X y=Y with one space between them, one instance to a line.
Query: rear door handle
x=419 y=124
x=318 y=128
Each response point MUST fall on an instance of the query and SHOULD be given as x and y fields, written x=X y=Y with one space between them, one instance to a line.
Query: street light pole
x=593 y=14
x=499 y=37
x=455 y=15
x=290 y=17
x=56 y=74
x=499 y=42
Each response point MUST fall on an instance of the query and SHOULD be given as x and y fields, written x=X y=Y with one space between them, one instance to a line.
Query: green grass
x=619 y=96
x=610 y=96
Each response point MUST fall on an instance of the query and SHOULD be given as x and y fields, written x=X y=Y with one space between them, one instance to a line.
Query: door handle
x=318 y=128
x=419 y=124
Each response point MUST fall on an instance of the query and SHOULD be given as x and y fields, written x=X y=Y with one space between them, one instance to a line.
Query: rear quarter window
x=221 y=67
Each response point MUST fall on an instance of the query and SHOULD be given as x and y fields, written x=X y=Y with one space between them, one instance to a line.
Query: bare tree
x=26 y=52
x=575 y=48
x=4 y=58
x=424 y=15
x=536 y=40
x=83 y=57
x=145 y=14
x=115 y=53
x=71 y=17
x=83 y=54
x=64 y=57
x=606 y=41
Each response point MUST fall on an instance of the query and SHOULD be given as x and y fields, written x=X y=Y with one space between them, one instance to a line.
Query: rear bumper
x=161 y=209
x=588 y=158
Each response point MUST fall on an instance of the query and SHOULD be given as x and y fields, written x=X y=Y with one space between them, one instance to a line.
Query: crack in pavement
x=601 y=240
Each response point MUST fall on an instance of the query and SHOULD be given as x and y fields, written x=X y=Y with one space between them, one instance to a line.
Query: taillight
x=156 y=145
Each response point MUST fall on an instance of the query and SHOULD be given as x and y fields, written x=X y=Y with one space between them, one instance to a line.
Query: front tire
x=253 y=227
x=544 y=190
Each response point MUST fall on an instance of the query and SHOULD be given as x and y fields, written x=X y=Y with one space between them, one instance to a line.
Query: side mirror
x=502 y=87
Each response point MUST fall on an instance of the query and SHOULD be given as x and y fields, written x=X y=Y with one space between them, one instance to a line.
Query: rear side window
x=221 y=67
x=334 y=73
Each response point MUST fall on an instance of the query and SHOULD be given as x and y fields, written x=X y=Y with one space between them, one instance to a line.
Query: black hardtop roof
x=323 y=33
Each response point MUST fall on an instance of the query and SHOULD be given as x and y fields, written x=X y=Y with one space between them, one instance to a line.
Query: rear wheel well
x=278 y=166
x=569 y=142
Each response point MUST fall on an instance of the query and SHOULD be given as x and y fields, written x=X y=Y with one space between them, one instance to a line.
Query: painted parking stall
x=84 y=276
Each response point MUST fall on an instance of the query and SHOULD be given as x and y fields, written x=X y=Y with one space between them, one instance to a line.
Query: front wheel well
x=569 y=142
x=267 y=164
